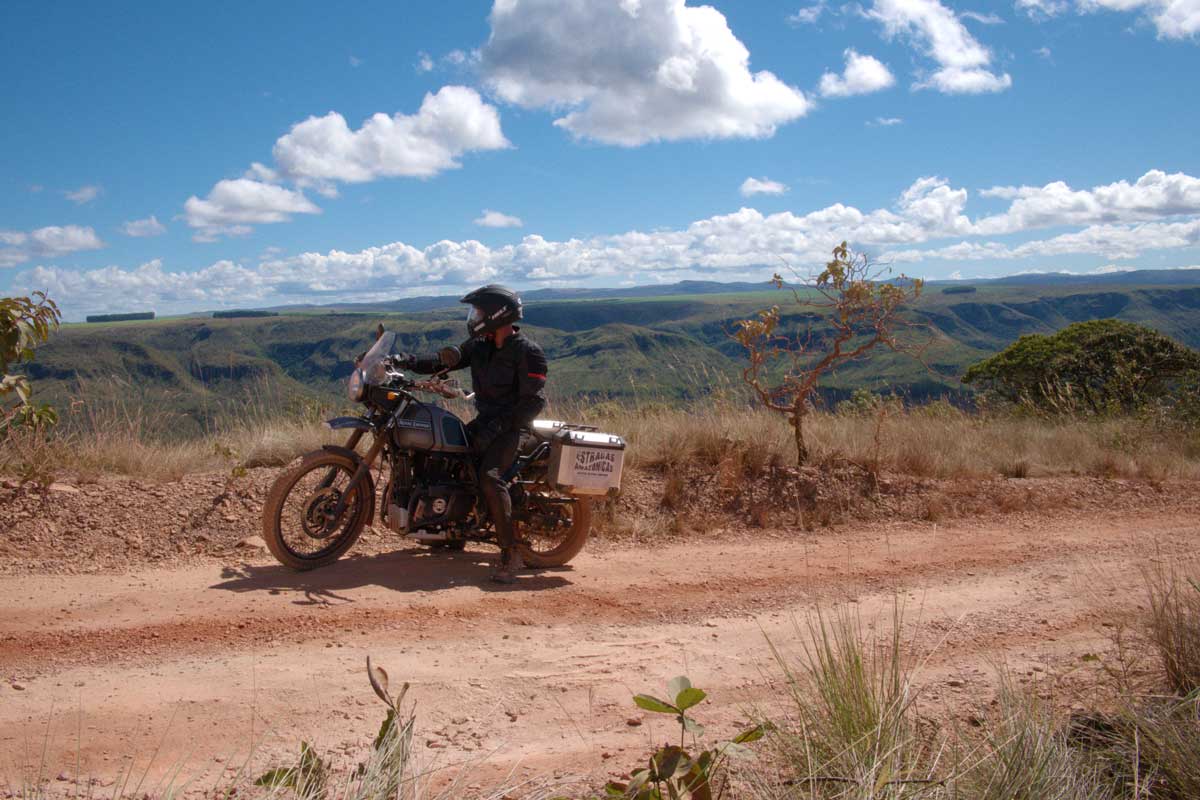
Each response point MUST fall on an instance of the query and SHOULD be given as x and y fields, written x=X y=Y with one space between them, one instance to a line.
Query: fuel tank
x=422 y=426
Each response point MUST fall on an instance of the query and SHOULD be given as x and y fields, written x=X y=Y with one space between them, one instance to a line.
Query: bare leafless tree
x=851 y=307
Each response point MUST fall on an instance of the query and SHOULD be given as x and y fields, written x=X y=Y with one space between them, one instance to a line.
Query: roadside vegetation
x=937 y=440
x=852 y=728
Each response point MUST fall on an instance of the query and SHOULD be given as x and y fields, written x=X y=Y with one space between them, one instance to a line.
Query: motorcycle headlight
x=355 y=386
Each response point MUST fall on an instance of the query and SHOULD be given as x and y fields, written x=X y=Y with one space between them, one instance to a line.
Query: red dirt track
x=200 y=660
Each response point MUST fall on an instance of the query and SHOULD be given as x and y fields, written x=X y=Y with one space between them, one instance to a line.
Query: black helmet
x=492 y=307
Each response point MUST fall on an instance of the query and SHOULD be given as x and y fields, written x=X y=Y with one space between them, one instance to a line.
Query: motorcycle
x=316 y=510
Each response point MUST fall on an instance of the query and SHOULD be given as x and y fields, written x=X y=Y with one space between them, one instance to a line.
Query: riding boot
x=497 y=457
x=510 y=564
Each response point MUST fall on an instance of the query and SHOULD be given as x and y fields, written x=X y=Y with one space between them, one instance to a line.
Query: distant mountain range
x=667 y=343
x=432 y=302
x=1161 y=277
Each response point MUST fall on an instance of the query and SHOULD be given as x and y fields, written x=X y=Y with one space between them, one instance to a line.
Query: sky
x=187 y=156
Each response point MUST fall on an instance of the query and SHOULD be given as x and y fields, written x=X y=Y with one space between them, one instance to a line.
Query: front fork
x=364 y=469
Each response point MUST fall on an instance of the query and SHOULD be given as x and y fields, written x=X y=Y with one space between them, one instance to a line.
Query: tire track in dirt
x=763 y=578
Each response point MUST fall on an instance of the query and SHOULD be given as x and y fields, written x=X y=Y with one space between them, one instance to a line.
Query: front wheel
x=299 y=522
x=553 y=530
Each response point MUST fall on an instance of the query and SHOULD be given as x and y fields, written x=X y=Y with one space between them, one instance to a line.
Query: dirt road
x=201 y=661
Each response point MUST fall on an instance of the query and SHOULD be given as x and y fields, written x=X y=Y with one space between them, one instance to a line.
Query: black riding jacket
x=508 y=381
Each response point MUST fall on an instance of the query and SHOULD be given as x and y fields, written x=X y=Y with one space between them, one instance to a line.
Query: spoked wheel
x=300 y=523
x=554 y=529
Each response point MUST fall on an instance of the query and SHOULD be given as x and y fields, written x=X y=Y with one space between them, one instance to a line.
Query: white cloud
x=140 y=228
x=1042 y=9
x=355 y=61
x=322 y=151
x=233 y=205
x=884 y=122
x=963 y=63
x=1155 y=195
x=494 y=219
x=1172 y=19
x=450 y=123
x=991 y=18
x=863 y=75
x=424 y=62
x=17 y=247
x=808 y=15
x=928 y=221
x=1108 y=241
x=634 y=72
x=83 y=195
x=753 y=186
x=263 y=173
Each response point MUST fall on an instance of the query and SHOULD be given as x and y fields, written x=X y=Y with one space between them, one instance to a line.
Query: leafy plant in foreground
x=308 y=779
x=383 y=773
x=25 y=322
x=672 y=773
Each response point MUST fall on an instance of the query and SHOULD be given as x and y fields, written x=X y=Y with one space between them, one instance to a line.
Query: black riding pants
x=498 y=456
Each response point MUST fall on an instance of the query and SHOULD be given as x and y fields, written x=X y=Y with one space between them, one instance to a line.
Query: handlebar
x=448 y=389
x=435 y=385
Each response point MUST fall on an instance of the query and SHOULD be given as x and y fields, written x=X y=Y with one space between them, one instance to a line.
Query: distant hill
x=433 y=302
x=1134 y=278
x=645 y=344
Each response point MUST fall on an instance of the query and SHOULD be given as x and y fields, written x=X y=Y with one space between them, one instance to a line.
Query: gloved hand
x=402 y=360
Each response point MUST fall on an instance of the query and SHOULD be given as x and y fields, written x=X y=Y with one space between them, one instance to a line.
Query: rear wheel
x=299 y=522
x=553 y=529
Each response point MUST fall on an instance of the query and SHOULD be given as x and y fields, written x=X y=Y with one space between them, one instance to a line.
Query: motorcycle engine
x=441 y=505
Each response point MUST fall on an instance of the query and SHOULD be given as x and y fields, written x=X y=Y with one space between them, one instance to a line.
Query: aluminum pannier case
x=585 y=462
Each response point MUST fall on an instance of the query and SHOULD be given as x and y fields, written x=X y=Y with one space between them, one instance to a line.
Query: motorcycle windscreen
x=373 y=367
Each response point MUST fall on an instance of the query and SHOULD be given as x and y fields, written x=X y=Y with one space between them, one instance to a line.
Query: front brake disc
x=318 y=520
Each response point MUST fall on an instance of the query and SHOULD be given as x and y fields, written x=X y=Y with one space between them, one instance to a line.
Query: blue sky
x=182 y=156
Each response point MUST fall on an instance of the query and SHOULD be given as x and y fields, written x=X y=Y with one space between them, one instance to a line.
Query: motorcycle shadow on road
x=408 y=570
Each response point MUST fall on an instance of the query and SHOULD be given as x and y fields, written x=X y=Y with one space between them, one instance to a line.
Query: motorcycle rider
x=508 y=374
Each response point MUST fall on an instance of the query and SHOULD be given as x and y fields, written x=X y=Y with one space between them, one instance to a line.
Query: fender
x=343 y=451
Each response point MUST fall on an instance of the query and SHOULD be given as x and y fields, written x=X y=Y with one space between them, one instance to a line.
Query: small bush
x=1175 y=626
x=852 y=731
x=1028 y=755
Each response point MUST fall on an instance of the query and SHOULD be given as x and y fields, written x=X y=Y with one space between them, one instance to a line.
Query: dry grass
x=850 y=731
x=1174 y=624
x=138 y=443
x=936 y=441
x=735 y=441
